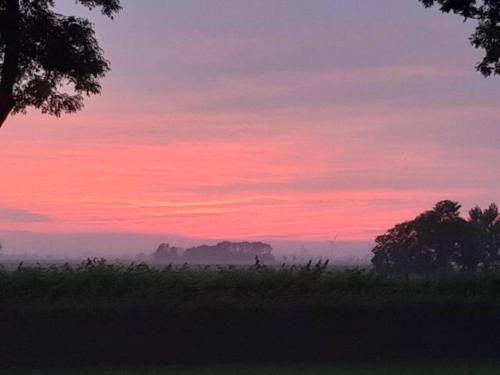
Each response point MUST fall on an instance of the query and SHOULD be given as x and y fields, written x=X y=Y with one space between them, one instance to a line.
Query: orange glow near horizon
x=211 y=190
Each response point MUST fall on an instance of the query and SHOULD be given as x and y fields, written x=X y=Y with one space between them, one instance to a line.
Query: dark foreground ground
x=97 y=315
x=367 y=369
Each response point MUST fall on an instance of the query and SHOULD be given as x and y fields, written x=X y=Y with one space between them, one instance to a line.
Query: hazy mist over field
x=129 y=245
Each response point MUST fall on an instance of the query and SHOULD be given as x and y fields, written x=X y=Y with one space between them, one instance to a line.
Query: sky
x=278 y=120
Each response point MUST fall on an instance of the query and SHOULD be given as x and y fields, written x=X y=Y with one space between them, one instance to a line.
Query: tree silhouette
x=440 y=240
x=487 y=34
x=47 y=60
x=485 y=225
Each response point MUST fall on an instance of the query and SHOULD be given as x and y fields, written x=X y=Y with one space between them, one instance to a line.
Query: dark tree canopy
x=440 y=240
x=47 y=60
x=487 y=34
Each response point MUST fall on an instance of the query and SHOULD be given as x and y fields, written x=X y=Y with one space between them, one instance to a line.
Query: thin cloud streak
x=15 y=215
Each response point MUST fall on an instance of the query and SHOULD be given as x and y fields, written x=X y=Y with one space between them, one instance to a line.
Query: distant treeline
x=222 y=253
x=104 y=314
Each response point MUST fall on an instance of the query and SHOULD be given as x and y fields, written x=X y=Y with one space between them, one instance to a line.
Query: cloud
x=14 y=215
x=283 y=118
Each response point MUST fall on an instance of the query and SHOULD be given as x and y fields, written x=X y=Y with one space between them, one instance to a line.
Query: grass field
x=100 y=314
x=372 y=369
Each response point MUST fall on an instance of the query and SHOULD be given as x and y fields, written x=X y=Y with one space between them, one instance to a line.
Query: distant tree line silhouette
x=440 y=240
x=223 y=253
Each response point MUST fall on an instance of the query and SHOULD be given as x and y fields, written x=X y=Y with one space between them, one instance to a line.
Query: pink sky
x=262 y=120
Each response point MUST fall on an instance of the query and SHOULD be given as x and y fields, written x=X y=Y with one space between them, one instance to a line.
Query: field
x=367 y=369
x=99 y=314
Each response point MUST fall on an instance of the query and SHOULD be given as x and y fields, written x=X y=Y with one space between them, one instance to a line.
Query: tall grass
x=118 y=314
x=99 y=282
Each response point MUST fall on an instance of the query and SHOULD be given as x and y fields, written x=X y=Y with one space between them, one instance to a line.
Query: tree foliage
x=487 y=33
x=440 y=240
x=47 y=60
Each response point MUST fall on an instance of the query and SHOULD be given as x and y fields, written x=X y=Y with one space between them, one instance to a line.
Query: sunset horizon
x=275 y=121
x=249 y=187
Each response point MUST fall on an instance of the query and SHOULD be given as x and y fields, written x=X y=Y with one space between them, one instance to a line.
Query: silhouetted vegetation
x=99 y=313
x=486 y=36
x=440 y=240
x=42 y=53
x=236 y=253
x=370 y=368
